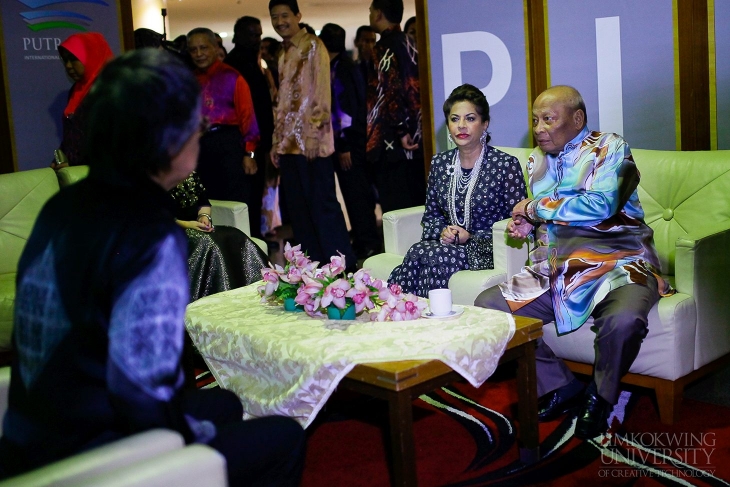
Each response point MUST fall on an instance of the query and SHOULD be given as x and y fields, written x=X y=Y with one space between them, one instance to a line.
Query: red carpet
x=465 y=437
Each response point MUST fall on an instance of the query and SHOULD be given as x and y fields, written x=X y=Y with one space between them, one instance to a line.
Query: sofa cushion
x=7 y=300
x=381 y=265
x=466 y=285
x=71 y=174
x=667 y=351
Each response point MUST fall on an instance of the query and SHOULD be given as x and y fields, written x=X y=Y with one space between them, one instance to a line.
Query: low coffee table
x=401 y=382
x=284 y=363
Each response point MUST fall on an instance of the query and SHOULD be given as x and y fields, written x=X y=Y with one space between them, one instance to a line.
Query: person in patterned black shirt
x=469 y=189
x=394 y=111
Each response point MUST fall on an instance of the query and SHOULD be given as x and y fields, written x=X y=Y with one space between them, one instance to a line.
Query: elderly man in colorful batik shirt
x=303 y=142
x=594 y=256
x=226 y=164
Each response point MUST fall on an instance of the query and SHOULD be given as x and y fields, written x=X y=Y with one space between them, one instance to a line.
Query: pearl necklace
x=460 y=184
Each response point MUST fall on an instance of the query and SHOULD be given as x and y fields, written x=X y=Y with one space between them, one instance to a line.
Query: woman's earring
x=483 y=138
x=451 y=139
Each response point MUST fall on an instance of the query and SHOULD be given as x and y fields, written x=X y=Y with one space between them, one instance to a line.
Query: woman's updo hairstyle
x=472 y=94
x=141 y=110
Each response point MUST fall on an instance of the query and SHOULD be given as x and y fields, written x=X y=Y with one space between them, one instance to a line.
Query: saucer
x=455 y=311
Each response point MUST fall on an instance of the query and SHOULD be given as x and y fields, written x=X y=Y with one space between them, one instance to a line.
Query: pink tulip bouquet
x=329 y=290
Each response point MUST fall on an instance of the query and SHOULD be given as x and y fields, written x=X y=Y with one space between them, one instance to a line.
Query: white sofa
x=155 y=458
x=687 y=203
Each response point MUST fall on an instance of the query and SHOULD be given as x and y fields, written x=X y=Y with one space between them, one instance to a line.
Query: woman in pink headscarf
x=83 y=56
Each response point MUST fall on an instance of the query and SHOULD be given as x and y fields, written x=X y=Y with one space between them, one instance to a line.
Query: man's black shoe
x=559 y=401
x=593 y=416
x=550 y=406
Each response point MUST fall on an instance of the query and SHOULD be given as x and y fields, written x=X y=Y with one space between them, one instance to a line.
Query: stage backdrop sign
x=481 y=42
x=36 y=84
x=722 y=72
x=620 y=56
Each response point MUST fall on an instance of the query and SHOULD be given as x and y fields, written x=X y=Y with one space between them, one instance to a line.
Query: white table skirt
x=286 y=363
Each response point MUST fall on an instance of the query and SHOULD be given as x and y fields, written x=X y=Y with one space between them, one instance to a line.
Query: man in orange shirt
x=226 y=164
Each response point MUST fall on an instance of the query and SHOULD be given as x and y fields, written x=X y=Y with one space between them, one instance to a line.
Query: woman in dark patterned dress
x=219 y=258
x=469 y=188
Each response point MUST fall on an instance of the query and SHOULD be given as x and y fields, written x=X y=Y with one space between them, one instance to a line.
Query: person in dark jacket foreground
x=101 y=293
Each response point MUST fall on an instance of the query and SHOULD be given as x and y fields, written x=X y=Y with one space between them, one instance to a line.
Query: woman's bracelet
x=206 y=215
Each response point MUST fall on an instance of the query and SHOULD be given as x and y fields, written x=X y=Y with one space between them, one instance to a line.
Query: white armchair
x=402 y=228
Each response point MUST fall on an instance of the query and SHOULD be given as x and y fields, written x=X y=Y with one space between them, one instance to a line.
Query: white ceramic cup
x=439 y=301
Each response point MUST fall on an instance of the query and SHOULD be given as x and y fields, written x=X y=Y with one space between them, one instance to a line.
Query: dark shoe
x=593 y=416
x=559 y=401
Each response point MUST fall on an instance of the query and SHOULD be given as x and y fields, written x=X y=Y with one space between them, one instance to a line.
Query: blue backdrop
x=626 y=48
x=481 y=42
x=36 y=82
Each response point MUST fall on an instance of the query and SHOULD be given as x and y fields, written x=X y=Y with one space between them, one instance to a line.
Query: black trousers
x=620 y=322
x=400 y=183
x=311 y=201
x=220 y=167
x=359 y=200
x=266 y=451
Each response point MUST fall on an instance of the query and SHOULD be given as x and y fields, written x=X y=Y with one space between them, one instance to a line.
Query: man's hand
x=56 y=166
x=520 y=208
x=311 y=154
x=274 y=158
x=345 y=161
x=407 y=142
x=519 y=228
x=249 y=165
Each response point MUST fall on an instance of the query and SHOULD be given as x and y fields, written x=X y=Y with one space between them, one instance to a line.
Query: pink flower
x=271 y=281
x=409 y=308
x=337 y=264
x=363 y=276
x=335 y=293
x=396 y=294
x=360 y=294
x=293 y=276
x=312 y=308
x=303 y=262
x=292 y=253
x=310 y=286
x=383 y=313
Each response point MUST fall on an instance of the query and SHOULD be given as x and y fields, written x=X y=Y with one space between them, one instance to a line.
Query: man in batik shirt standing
x=303 y=142
x=394 y=112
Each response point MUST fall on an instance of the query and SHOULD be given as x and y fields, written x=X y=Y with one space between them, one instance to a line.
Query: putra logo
x=39 y=20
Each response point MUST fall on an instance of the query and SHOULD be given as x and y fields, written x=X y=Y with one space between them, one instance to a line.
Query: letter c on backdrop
x=452 y=45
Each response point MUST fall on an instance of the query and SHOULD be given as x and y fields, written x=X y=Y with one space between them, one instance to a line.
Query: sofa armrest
x=4 y=388
x=191 y=466
x=401 y=229
x=231 y=214
x=107 y=458
x=510 y=254
x=71 y=174
x=700 y=265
